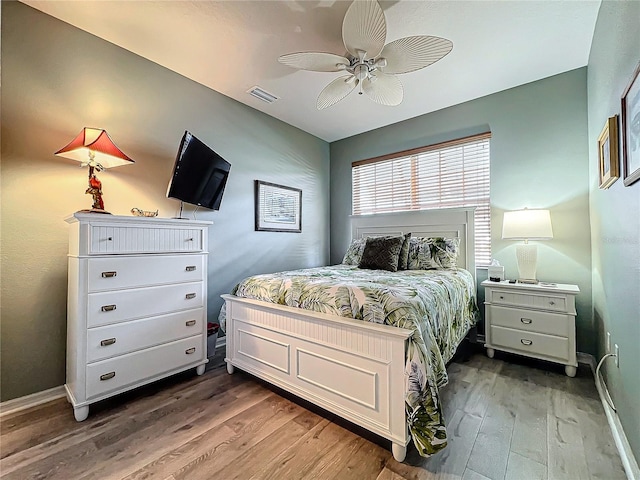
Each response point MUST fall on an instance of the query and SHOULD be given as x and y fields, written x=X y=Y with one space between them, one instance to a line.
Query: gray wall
x=615 y=214
x=539 y=159
x=57 y=79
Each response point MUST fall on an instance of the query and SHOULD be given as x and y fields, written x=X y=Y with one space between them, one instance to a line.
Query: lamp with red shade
x=94 y=148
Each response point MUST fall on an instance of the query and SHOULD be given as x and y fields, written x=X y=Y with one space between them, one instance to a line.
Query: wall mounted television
x=199 y=174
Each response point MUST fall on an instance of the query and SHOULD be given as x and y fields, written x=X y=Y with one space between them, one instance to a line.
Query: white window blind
x=451 y=174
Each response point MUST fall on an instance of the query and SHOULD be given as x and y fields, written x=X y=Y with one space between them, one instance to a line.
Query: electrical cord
x=607 y=397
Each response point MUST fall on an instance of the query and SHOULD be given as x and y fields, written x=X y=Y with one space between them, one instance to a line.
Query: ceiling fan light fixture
x=370 y=63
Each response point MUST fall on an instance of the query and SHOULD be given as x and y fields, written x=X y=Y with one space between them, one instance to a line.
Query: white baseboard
x=622 y=443
x=28 y=401
x=38 y=398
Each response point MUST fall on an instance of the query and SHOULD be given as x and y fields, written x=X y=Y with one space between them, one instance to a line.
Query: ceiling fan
x=370 y=63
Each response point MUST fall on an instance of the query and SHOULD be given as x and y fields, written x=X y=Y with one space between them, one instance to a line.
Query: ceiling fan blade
x=315 y=61
x=384 y=89
x=364 y=28
x=336 y=91
x=409 y=54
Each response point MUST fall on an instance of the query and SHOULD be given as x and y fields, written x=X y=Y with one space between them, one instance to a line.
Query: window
x=451 y=174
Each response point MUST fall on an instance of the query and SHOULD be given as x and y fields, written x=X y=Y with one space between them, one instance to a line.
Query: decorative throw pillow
x=403 y=259
x=381 y=253
x=433 y=253
x=354 y=252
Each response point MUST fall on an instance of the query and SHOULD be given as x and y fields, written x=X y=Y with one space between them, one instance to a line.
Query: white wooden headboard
x=446 y=222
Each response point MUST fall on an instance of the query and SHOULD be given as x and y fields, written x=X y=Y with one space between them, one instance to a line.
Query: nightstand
x=538 y=321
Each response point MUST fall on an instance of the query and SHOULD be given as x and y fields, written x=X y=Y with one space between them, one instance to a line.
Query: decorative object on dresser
x=533 y=320
x=94 y=148
x=137 y=303
x=631 y=129
x=527 y=225
x=278 y=208
x=143 y=213
x=608 y=153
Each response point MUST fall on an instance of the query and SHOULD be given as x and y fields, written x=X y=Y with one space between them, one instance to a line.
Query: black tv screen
x=199 y=175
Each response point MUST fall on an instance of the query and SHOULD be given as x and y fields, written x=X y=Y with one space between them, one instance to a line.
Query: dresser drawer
x=530 y=342
x=119 y=372
x=119 y=239
x=126 y=337
x=105 y=308
x=530 y=320
x=113 y=273
x=557 y=303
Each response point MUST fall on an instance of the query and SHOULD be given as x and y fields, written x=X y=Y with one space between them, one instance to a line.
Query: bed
x=383 y=377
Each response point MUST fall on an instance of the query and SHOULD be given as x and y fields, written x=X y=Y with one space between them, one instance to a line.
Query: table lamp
x=527 y=225
x=94 y=148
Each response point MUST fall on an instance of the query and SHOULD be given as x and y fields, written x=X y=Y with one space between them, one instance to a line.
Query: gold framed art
x=608 y=153
x=631 y=129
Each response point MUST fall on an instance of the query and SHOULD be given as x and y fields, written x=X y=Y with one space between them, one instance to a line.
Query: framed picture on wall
x=608 y=153
x=631 y=130
x=278 y=208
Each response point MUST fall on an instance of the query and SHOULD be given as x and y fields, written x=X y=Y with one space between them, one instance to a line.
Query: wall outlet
x=608 y=345
x=617 y=352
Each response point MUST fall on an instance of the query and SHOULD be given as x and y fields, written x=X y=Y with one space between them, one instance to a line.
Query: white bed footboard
x=352 y=368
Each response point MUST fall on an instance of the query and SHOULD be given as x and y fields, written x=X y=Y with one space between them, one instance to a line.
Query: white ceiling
x=231 y=46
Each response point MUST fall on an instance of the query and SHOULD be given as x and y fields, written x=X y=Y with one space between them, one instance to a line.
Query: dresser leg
x=230 y=368
x=399 y=451
x=200 y=369
x=81 y=413
x=570 y=370
x=490 y=352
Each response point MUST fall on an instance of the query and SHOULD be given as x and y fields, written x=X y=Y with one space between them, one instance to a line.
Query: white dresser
x=137 y=303
x=533 y=320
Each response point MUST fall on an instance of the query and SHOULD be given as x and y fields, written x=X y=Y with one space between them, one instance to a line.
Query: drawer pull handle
x=190 y=323
x=526 y=321
x=107 y=376
x=526 y=342
x=109 y=274
x=191 y=350
x=108 y=341
x=190 y=268
x=110 y=239
x=552 y=303
x=108 y=308
x=501 y=297
x=189 y=296
x=189 y=239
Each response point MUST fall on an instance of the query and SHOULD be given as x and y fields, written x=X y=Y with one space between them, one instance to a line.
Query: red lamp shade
x=94 y=147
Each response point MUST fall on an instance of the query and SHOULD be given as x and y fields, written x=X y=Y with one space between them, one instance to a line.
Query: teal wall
x=539 y=159
x=57 y=79
x=615 y=214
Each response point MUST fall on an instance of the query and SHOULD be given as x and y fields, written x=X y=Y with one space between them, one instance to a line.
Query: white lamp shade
x=527 y=225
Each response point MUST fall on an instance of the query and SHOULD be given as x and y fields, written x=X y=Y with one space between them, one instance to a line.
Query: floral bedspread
x=438 y=305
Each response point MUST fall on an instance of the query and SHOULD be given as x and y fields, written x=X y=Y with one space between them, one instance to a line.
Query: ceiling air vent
x=262 y=94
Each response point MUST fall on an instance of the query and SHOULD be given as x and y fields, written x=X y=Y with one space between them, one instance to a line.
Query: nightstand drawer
x=530 y=320
x=530 y=342
x=557 y=303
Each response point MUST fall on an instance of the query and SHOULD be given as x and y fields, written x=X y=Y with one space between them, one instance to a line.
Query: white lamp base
x=527 y=256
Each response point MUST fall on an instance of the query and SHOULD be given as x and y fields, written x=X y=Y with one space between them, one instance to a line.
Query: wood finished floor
x=507 y=418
